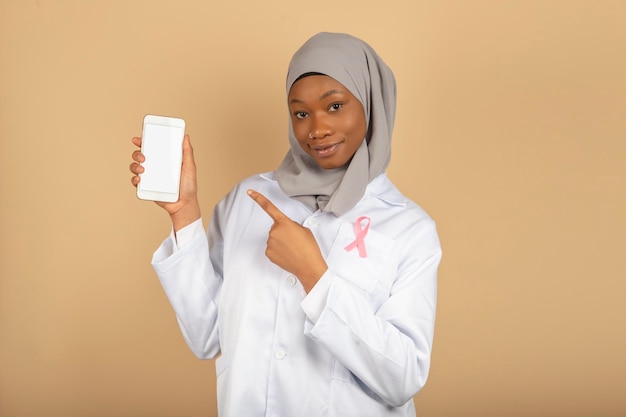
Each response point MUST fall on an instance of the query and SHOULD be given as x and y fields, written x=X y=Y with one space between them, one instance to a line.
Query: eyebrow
x=330 y=93
x=322 y=97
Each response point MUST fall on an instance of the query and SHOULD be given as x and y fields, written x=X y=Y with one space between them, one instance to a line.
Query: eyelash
x=339 y=105
x=333 y=107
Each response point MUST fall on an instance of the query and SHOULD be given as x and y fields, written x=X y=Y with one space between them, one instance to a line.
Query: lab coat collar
x=380 y=188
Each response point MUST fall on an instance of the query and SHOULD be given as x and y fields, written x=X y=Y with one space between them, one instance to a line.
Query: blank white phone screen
x=161 y=147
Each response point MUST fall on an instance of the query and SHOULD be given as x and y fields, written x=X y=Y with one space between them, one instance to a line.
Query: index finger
x=267 y=206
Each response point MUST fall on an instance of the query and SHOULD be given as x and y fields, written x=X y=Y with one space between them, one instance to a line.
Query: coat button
x=311 y=222
x=280 y=353
x=291 y=280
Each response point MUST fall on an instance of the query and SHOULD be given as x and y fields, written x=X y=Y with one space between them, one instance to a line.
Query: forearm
x=388 y=348
x=192 y=286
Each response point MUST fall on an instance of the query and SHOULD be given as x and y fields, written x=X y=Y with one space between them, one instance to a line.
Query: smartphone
x=162 y=146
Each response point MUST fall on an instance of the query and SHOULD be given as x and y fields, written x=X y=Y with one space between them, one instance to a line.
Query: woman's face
x=328 y=121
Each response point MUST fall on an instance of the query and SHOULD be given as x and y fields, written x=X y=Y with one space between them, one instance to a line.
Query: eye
x=335 y=106
x=300 y=114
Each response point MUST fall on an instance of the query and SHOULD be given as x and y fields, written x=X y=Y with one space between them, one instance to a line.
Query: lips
x=325 y=150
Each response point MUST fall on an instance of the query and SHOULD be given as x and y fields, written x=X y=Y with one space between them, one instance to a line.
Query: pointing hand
x=291 y=246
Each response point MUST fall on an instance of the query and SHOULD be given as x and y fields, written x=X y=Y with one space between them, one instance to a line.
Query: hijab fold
x=357 y=67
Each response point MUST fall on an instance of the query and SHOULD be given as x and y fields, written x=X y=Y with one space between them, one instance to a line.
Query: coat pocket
x=371 y=273
x=350 y=397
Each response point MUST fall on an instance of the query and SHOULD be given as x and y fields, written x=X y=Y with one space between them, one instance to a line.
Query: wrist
x=313 y=275
x=186 y=215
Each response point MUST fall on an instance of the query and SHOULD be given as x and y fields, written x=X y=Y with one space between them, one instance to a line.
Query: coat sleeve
x=192 y=279
x=387 y=349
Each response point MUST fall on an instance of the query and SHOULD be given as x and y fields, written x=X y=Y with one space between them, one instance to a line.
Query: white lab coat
x=358 y=344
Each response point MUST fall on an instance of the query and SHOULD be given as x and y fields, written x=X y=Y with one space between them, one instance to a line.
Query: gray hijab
x=357 y=67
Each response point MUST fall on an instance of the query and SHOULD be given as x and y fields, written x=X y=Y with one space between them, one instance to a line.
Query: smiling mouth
x=325 y=150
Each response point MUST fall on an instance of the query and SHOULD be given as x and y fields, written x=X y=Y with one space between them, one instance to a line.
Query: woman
x=316 y=283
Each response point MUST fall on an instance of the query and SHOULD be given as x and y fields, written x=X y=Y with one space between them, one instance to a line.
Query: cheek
x=300 y=135
x=355 y=125
x=302 y=144
x=299 y=129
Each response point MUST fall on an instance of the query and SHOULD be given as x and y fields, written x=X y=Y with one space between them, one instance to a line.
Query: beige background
x=511 y=133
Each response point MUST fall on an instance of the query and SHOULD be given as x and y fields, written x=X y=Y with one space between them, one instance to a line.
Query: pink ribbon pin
x=360 y=233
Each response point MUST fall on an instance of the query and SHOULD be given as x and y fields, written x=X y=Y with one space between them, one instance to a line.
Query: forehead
x=313 y=85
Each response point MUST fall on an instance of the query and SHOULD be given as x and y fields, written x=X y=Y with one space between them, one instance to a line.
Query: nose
x=320 y=127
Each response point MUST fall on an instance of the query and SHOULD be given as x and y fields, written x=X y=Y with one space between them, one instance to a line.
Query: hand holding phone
x=162 y=147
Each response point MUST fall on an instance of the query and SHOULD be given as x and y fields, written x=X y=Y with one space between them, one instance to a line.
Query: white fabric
x=358 y=344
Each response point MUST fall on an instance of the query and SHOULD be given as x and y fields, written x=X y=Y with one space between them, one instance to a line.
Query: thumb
x=187 y=151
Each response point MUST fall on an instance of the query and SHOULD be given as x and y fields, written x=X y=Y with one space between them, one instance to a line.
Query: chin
x=330 y=165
